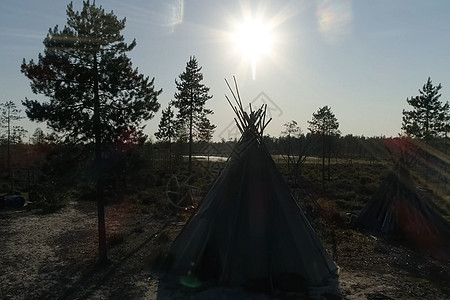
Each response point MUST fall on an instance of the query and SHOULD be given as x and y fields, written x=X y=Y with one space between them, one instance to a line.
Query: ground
x=54 y=256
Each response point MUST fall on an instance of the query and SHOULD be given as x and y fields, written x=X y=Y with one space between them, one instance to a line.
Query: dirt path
x=54 y=256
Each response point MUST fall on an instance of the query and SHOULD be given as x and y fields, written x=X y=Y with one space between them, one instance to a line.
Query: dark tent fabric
x=12 y=201
x=249 y=229
x=398 y=210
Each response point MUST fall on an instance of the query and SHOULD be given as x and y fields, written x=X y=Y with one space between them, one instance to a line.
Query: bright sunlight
x=253 y=39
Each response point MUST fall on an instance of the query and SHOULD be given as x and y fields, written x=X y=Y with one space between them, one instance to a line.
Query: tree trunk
x=170 y=156
x=190 y=140
x=323 y=160
x=103 y=258
x=8 y=149
x=329 y=156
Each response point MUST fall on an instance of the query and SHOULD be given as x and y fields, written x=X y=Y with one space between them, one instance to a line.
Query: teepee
x=248 y=230
x=397 y=210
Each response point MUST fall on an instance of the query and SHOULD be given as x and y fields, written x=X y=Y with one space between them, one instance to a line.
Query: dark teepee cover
x=398 y=210
x=249 y=230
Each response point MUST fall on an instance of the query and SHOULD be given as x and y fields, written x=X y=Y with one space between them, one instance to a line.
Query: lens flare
x=334 y=19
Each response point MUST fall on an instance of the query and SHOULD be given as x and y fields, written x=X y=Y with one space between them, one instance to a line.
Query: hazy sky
x=362 y=58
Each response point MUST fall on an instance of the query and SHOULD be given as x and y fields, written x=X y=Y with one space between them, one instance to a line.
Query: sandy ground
x=53 y=256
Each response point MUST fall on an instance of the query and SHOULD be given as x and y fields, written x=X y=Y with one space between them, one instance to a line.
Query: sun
x=253 y=39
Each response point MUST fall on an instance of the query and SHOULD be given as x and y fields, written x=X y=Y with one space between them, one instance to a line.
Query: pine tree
x=38 y=137
x=429 y=116
x=205 y=130
x=95 y=93
x=324 y=123
x=10 y=133
x=190 y=100
x=167 y=129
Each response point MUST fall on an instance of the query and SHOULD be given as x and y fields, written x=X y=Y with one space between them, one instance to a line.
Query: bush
x=155 y=200
x=44 y=197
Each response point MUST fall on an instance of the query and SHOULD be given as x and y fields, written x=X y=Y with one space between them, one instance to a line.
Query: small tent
x=248 y=230
x=398 y=210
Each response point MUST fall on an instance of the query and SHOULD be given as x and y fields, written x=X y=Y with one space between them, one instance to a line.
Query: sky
x=362 y=58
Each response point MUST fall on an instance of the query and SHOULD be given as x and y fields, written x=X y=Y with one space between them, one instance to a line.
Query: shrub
x=44 y=197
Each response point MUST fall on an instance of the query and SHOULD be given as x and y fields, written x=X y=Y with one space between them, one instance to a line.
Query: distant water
x=208 y=158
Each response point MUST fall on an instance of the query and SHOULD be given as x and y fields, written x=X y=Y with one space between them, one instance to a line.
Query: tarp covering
x=398 y=210
x=249 y=230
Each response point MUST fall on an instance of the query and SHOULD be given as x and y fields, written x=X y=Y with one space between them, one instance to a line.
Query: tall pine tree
x=95 y=95
x=429 y=117
x=324 y=123
x=190 y=100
